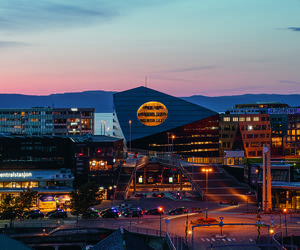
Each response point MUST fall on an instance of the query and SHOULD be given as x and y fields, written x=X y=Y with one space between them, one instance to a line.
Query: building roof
x=120 y=240
x=9 y=244
x=94 y=138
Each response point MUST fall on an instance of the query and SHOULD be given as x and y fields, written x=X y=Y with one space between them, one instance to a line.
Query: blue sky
x=212 y=48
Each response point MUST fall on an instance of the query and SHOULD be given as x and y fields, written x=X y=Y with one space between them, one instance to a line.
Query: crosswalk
x=226 y=239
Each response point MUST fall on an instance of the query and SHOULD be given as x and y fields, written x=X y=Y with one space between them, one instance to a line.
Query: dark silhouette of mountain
x=223 y=103
x=102 y=101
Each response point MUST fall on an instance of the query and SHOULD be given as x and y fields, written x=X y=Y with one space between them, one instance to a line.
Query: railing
x=195 y=185
x=138 y=165
x=169 y=242
x=275 y=238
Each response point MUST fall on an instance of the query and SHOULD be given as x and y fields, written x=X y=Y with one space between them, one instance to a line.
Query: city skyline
x=183 y=48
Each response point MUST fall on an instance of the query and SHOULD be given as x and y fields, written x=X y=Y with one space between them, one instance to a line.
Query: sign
x=259 y=223
x=221 y=223
x=221 y=218
x=140 y=179
x=15 y=175
x=170 y=179
x=272 y=224
x=47 y=198
x=166 y=221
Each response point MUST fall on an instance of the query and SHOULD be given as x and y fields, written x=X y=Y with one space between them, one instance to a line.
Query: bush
x=205 y=221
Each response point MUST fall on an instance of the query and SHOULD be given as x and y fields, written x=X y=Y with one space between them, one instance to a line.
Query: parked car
x=52 y=212
x=90 y=214
x=134 y=212
x=58 y=214
x=25 y=214
x=13 y=215
x=155 y=211
x=111 y=213
x=35 y=215
x=178 y=210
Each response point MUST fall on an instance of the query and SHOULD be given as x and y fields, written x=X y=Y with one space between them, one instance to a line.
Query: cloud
x=47 y=14
x=6 y=44
x=290 y=82
x=294 y=28
x=182 y=70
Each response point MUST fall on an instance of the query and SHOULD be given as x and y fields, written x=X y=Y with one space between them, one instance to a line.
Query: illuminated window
x=235 y=119
x=256 y=119
x=152 y=113
x=242 y=119
x=226 y=119
x=248 y=119
x=293 y=132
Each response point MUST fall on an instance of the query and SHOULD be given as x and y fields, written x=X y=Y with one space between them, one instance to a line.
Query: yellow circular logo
x=152 y=113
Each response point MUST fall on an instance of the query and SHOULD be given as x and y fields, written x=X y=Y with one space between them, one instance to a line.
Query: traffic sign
x=166 y=221
x=272 y=217
x=272 y=224
x=221 y=223
x=221 y=218
x=259 y=223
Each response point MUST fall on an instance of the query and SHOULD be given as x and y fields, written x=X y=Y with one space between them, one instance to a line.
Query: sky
x=179 y=47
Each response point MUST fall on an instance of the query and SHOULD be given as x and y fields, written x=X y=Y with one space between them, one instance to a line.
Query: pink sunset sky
x=183 y=48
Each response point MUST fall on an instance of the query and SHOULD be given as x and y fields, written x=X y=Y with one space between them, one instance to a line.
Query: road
x=175 y=225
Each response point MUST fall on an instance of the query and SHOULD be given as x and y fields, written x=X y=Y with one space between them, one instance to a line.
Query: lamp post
x=285 y=211
x=160 y=209
x=173 y=137
x=129 y=135
x=206 y=170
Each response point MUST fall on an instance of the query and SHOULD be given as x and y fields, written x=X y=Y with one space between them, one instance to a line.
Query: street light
x=129 y=135
x=285 y=211
x=173 y=137
x=206 y=170
x=160 y=209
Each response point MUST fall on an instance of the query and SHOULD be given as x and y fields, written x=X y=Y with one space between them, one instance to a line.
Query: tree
x=14 y=206
x=84 y=197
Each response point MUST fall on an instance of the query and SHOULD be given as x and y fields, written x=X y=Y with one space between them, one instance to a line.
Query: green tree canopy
x=84 y=197
x=13 y=206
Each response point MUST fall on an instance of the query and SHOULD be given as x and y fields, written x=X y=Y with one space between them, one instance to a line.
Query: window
x=226 y=119
x=227 y=127
x=256 y=119
x=248 y=119
x=242 y=119
x=235 y=119
x=264 y=127
x=263 y=118
x=228 y=144
x=249 y=136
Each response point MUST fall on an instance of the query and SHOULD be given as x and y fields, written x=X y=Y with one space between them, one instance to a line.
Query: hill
x=102 y=101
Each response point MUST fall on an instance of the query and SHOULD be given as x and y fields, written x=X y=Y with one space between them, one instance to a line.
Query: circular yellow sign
x=152 y=113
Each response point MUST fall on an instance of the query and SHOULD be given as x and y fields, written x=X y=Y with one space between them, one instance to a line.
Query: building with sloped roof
x=151 y=120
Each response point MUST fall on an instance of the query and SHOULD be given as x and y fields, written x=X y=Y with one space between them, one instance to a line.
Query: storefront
x=53 y=186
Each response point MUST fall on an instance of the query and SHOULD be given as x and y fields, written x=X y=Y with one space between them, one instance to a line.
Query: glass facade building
x=152 y=120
